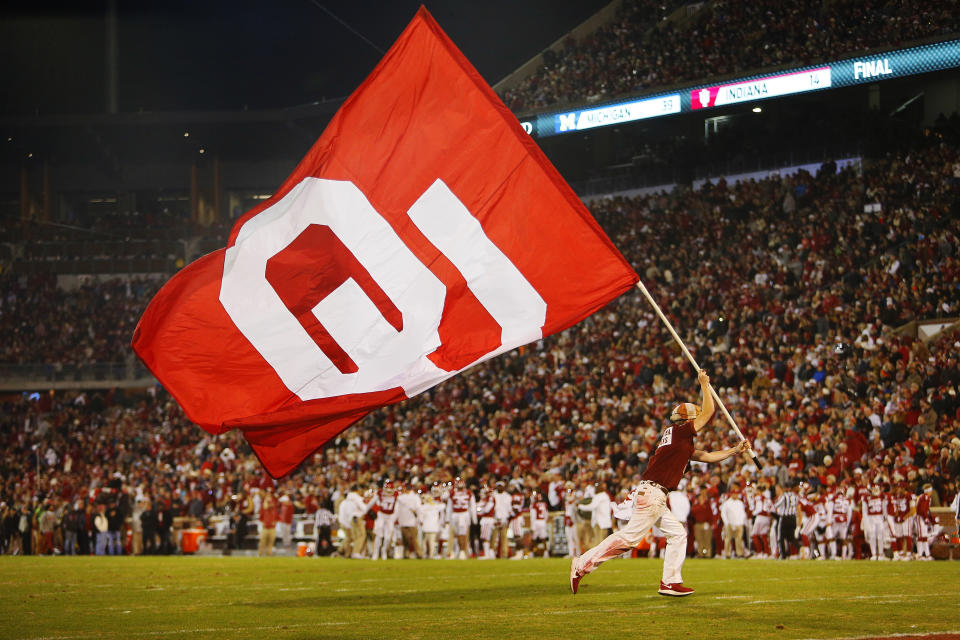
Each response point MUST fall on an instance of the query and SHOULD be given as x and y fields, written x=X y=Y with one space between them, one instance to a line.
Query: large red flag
x=423 y=233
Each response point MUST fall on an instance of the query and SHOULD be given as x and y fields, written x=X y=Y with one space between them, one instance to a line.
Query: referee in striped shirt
x=786 y=509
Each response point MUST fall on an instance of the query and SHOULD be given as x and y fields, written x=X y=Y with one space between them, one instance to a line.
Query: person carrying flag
x=663 y=474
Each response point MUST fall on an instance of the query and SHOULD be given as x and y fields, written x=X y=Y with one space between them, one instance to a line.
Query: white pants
x=285 y=533
x=518 y=527
x=809 y=526
x=573 y=545
x=649 y=508
x=874 y=530
x=838 y=531
x=761 y=526
x=486 y=528
x=538 y=529
x=384 y=524
x=384 y=531
x=460 y=520
x=899 y=529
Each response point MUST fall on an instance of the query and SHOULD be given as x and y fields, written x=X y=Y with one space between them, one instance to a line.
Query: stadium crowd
x=640 y=49
x=44 y=323
x=765 y=279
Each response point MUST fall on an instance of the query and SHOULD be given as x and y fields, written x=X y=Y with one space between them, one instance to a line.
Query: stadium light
x=757 y=109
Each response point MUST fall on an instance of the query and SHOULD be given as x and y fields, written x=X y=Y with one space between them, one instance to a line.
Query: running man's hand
x=743 y=446
x=703 y=378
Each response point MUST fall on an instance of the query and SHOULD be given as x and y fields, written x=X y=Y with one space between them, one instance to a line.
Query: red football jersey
x=673 y=453
x=485 y=507
x=460 y=500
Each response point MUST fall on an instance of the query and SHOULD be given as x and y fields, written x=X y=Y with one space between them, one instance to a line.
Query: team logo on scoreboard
x=703 y=98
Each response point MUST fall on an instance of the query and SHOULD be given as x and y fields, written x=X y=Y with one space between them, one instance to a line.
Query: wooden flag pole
x=696 y=367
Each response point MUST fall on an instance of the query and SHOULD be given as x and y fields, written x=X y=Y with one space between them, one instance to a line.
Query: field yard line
x=915 y=634
x=784 y=579
x=888 y=596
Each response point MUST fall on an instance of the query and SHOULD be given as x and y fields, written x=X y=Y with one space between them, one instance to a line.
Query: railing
x=43 y=376
x=94 y=266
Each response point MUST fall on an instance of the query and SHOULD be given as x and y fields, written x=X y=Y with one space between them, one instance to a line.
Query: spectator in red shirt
x=268 y=525
x=702 y=514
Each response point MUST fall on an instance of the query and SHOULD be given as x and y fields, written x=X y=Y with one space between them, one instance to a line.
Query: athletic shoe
x=574 y=577
x=675 y=589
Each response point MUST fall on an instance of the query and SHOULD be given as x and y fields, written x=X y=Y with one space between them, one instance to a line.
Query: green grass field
x=234 y=597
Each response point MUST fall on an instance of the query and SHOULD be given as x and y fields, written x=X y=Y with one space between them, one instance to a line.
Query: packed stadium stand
x=823 y=300
x=652 y=44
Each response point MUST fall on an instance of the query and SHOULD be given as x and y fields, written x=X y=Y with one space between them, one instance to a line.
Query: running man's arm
x=707 y=409
x=717 y=456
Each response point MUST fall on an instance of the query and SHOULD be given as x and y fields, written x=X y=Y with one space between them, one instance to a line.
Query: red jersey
x=760 y=505
x=701 y=512
x=856 y=528
x=673 y=453
x=899 y=507
x=715 y=509
x=268 y=516
x=809 y=508
x=485 y=506
x=286 y=512
x=820 y=504
x=518 y=504
x=460 y=500
x=923 y=508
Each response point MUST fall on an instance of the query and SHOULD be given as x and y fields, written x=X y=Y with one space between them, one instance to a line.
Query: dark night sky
x=215 y=54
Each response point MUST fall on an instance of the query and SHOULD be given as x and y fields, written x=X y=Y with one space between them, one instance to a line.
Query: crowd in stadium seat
x=764 y=279
x=639 y=50
x=44 y=323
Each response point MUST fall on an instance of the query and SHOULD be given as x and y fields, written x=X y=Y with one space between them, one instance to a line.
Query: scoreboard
x=842 y=73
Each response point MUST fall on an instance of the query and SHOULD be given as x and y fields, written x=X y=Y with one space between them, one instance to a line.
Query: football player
x=900 y=511
x=462 y=511
x=569 y=519
x=841 y=511
x=873 y=521
x=926 y=523
x=385 y=525
x=810 y=519
x=485 y=513
x=538 y=523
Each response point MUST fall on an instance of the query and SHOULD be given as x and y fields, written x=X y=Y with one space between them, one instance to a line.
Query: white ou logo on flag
x=365 y=317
